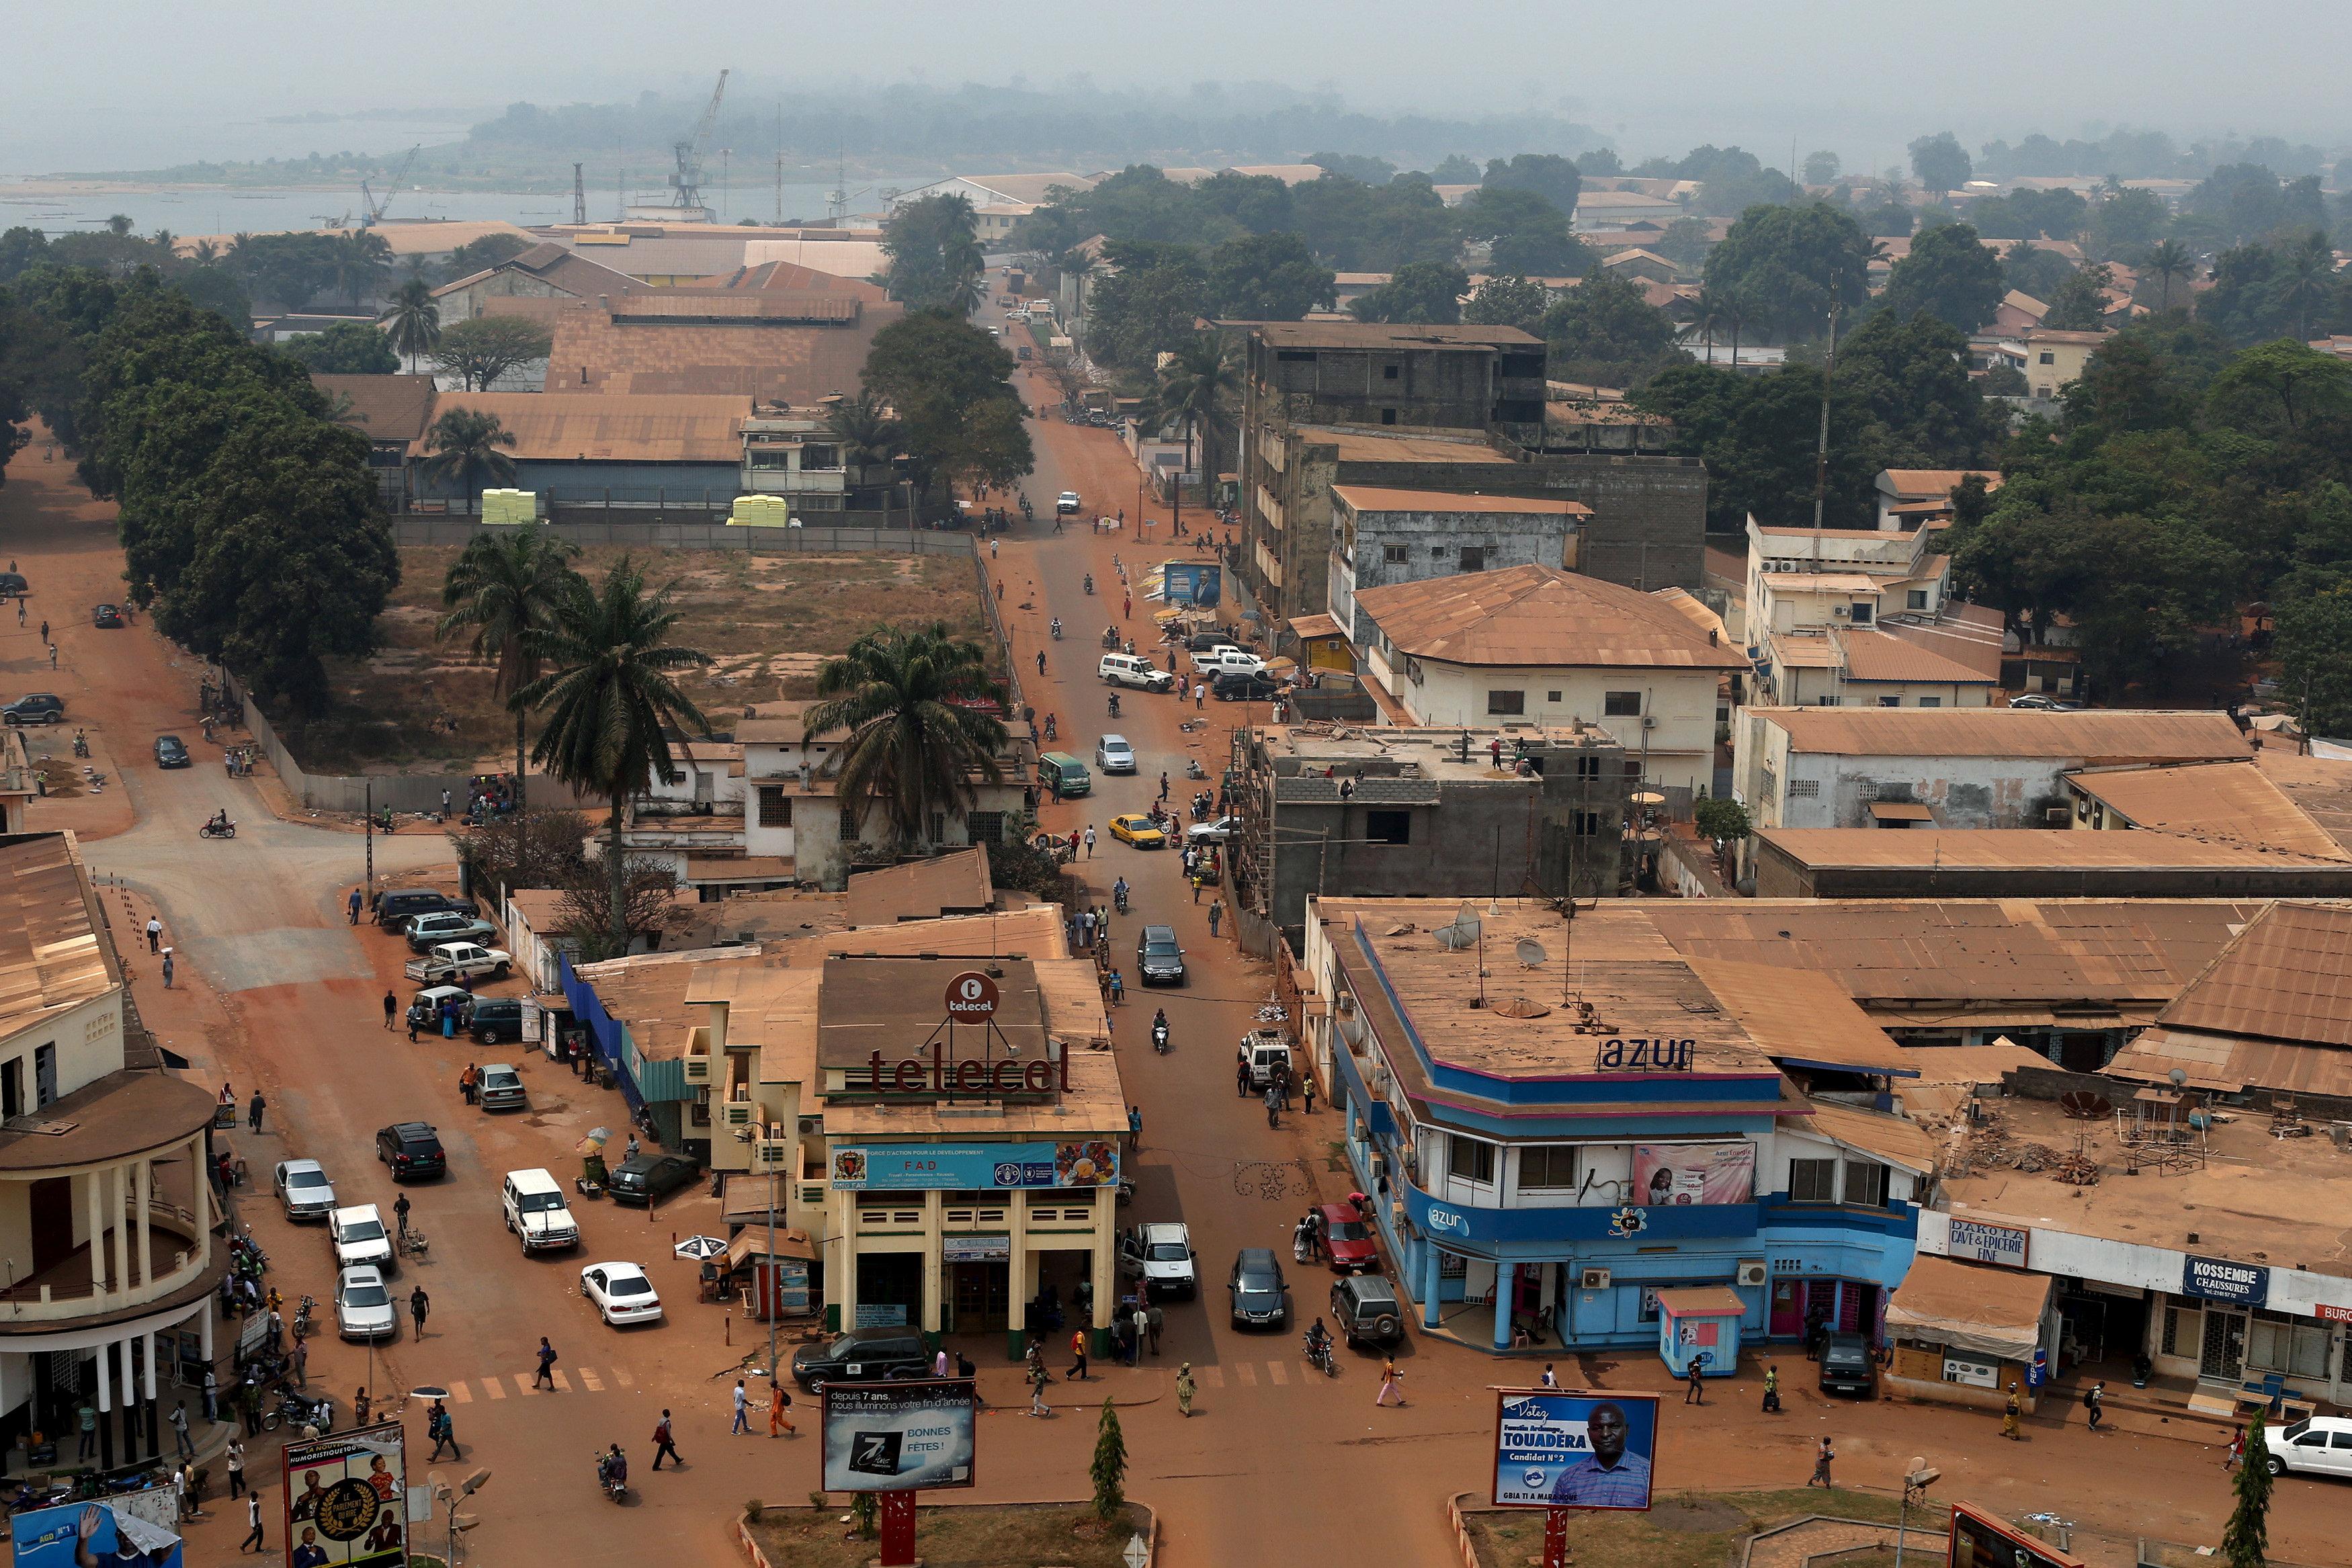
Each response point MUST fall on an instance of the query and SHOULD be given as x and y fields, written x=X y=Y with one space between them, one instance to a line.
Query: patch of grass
x=767 y=620
x=1014 y=1536
x=1682 y=1530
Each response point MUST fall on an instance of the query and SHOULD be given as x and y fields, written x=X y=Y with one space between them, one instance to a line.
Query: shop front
x=1964 y=1334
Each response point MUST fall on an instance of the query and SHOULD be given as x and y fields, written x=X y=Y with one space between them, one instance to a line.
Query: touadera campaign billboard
x=898 y=1437
x=1555 y=1449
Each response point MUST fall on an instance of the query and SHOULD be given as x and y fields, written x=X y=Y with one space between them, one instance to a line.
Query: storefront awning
x=1965 y=1306
x=752 y=1241
x=1702 y=1301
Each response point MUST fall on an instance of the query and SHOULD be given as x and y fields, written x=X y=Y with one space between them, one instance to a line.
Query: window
x=1551 y=696
x=702 y=1107
x=1864 y=613
x=1587 y=824
x=1549 y=1168
x=2046 y=357
x=1388 y=372
x=1890 y=702
x=1506 y=702
x=1469 y=1159
x=848 y=825
x=775 y=807
x=1620 y=705
x=815 y=455
x=1825 y=702
x=985 y=827
x=1473 y=558
x=771 y=457
x=1813 y=1181
x=2184 y=1330
x=1388 y=416
x=1393 y=554
x=1389 y=826
x=1931 y=702
x=939 y=827
x=1436 y=550
x=2295 y=1346
x=12 y=1087
x=1865 y=1184
x=1917 y=598
x=1587 y=766
x=1804 y=788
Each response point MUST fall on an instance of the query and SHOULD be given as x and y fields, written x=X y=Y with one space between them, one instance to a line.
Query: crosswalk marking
x=1247 y=1373
x=494 y=1388
x=526 y=1386
x=459 y=1393
x=588 y=1381
x=621 y=1376
x=563 y=1384
x=1279 y=1373
x=1214 y=1376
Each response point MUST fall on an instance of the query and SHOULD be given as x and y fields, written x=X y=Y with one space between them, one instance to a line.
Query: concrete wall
x=1780 y=875
x=661 y=484
x=1681 y=745
x=761 y=539
x=1360 y=542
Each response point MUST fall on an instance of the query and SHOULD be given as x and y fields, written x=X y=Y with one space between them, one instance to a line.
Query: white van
x=1133 y=670
x=536 y=1212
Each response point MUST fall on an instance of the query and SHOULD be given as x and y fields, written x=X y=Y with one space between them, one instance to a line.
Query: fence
x=759 y=538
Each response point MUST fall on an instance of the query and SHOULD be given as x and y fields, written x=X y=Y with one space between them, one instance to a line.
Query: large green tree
x=1547 y=175
x=1605 y=329
x=935 y=259
x=503 y=586
x=2314 y=650
x=1950 y=275
x=1940 y=163
x=347 y=348
x=1507 y=301
x=950 y=386
x=1267 y=278
x=1425 y=293
x=916 y=736
x=612 y=696
x=1790 y=265
x=482 y=349
x=1147 y=307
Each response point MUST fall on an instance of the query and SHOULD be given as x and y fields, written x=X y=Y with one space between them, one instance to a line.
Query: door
x=2223 y=1353
x=1788 y=1319
x=52 y=1212
x=1849 y=1308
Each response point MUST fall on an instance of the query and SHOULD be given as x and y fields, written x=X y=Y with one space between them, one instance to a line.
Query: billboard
x=1669 y=1174
x=1981 y=1539
x=966 y=1167
x=118 y=1533
x=346 y=1500
x=898 y=1437
x=1573 y=1450
x=1195 y=582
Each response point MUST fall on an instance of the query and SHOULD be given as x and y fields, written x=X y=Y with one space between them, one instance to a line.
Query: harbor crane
x=686 y=183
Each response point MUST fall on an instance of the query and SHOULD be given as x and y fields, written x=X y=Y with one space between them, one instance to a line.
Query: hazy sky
x=147 y=82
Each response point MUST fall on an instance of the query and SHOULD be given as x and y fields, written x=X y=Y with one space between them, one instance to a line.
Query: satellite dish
x=2083 y=1106
x=1531 y=953
x=1463 y=932
x=1519 y=1008
x=2179 y=1076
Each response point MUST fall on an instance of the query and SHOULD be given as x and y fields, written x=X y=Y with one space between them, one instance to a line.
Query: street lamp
x=748 y=1136
x=453 y=1497
x=1916 y=1482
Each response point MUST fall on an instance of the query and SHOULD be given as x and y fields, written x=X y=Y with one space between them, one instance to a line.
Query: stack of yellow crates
x=773 y=510
x=509 y=507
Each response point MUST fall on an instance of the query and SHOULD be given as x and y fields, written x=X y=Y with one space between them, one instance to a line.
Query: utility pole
x=779 y=164
x=367 y=833
x=579 y=196
x=1822 y=453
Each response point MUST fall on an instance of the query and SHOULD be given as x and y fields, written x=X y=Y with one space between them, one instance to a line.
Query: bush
x=1725 y=820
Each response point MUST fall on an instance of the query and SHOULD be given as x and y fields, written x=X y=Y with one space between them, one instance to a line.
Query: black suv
x=394 y=909
x=1366 y=1309
x=862 y=1355
x=410 y=1149
x=1242 y=687
x=1847 y=1367
x=40 y=707
x=493 y=1019
x=1256 y=1287
x=646 y=1179
x=1157 y=959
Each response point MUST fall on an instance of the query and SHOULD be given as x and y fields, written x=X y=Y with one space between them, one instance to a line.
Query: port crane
x=374 y=208
x=686 y=183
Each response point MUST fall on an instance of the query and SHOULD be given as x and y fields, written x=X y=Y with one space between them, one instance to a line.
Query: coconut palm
x=1199 y=378
x=913 y=743
x=868 y=433
x=361 y=260
x=205 y=252
x=465 y=443
x=416 y=320
x=501 y=586
x=2168 y=259
x=2307 y=271
x=611 y=700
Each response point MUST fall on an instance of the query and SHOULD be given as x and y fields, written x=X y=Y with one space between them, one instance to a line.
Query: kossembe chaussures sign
x=2219 y=1280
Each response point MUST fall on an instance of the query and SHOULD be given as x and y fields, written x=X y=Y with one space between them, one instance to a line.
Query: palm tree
x=1709 y=315
x=2168 y=259
x=612 y=700
x=361 y=260
x=913 y=743
x=870 y=436
x=467 y=444
x=205 y=253
x=416 y=320
x=502 y=586
x=2308 y=274
x=1198 y=379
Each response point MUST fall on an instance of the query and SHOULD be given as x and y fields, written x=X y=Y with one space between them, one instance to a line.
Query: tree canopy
x=347 y=348
x=951 y=386
x=1950 y=275
x=1940 y=162
x=935 y=256
x=481 y=348
x=1788 y=264
x=1425 y=293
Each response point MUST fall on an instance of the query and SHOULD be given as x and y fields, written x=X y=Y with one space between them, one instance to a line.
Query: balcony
x=177 y=1257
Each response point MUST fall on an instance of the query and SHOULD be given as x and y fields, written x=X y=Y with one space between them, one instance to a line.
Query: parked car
x=107 y=617
x=411 y=1149
x=862 y=1355
x=2320 y=1444
x=1137 y=830
x=358 y=1236
x=1365 y=1310
x=1159 y=961
x=1161 y=1259
x=1259 y=1296
x=13 y=583
x=1244 y=687
x=535 y=1211
x=1066 y=503
x=303 y=1186
x=1216 y=831
x=1114 y=755
x=428 y=931
x=364 y=1308
x=396 y=909
x=621 y=1294
x=501 y=1088
x=171 y=752
x=645 y=1179
x=450 y=960
x=1221 y=660
x=1264 y=1050
x=40 y=707
x=424 y=1008
x=2047 y=705
x=1348 y=1237
x=1133 y=670
x=492 y=1020
x=1847 y=1365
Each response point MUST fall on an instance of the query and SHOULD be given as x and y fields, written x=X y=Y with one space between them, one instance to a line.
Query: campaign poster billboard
x=1555 y=1449
x=898 y=1437
x=346 y=1500
x=115 y=1533
x=1193 y=582
x=967 y=1167
x=1670 y=1174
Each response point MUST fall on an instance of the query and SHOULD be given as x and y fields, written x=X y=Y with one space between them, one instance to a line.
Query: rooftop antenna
x=780 y=162
x=1822 y=452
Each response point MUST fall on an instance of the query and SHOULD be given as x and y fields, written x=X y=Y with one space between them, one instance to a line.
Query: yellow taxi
x=1137 y=830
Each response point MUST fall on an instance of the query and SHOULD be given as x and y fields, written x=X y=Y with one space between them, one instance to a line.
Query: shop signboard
x=1675 y=1174
x=2328 y=1312
x=899 y=1437
x=2221 y=1279
x=976 y=1249
x=347 y=1499
x=1967 y=1369
x=967 y=1167
x=1555 y=1449
x=2002 y=1244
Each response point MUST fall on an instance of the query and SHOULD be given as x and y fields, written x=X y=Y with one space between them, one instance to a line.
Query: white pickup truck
x=1226 y=659
x=452 y=960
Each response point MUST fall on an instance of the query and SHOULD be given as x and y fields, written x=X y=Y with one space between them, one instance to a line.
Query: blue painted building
x=1548 y=1147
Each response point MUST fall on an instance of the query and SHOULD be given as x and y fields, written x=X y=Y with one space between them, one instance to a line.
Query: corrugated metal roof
x=924 y=889
x=2287 y=977
x=1901 y=1142
x=2214 y=803
x=2022 y=849
x=1875 y=657
x=2136 y=734
x=776 y=359
x=556 y=427
x=52 y=954
x=381 y=407
x=1800 y=1013
x=1539 y=615
x=1383 y=499
x=2321 y=786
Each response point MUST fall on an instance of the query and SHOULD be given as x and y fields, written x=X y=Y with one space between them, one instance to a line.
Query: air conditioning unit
x=1842 y=610
x=811 y=1126
x=1592 y=1279
x=1752 y=1271
x=2056 y=817
x=1649 y=721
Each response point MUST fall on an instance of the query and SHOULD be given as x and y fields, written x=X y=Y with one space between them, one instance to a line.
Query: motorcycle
x=1118 y=900
x=81 y=744
x=1090 y=582
x=610 y=1482
x=1057 y=628
x=1319 y=1356
x=1203 y=804
x=295 y=1410
x=1114 y=705
x=310 y=1304
x=1049 y=727
x=218 y=831
x=1159 y=1036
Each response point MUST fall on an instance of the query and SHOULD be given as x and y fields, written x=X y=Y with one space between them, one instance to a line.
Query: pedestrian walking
x=2095 y=1403
x=1695 y=1390
x=779 y=1401
x=1771 y=1390
x=1135 y=1129
x=665 y=1443
x=1077 y=1356
x=2012 y=1426
x=1216 y=914
x=180 y=1439
x=277 y=1330
x=2235 y=1454
x=1090 y=841
x=1199 y=696
x=742 y=1409
x=1273 y=1105
x=167 y=986
x=300 y=1363
x=1550 y=1379
x=361 y=1406
x=1185 y=1389
x=45 y=629
x=1822 y=1456
x=353 y=904
x=419 y=1303
x=1037 y=1406
x=443 y=1431
x=179 y=1484
x=413 y=1023
x=53 y=655
x=154 y=935
x=257 y=1105
x=1153 y=1319
x=469 y=1082
x=1138 y=1324
x=89 y=1420
x=1390 y=1378
x=1163 y=800
x=546 y=1372
x=390 y=1007
x=1242 y=1077
x=253 y=1517
x=211 y=1397
x=235 y=1469
x=1307 y=1093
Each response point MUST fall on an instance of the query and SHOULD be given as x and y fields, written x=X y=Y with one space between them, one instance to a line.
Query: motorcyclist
x=613 y=1466
x=1049 y=727
x=1090 y=582
x=219 y=821
x=1160 y=1021
x=1319 y=1341
x=1057 y=628
x=1114 y=705
x=1119 y=893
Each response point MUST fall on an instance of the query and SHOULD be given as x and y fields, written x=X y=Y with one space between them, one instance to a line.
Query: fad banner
x=1574 y=1450
x=898 y=1437
x=118 y=1532
x=1675 y=1174
x=346 y=1500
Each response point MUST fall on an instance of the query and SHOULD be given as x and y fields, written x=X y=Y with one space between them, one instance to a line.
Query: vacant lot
x=1684 y=1529
x=1009 y=1536
x=767 y=621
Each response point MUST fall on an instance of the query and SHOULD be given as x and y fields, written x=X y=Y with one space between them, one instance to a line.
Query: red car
x=1347 y=1237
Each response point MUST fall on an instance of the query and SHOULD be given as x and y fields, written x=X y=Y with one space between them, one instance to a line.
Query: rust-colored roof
x=791 y=278
x=777 y=348
x=571 y=427
x=1898 y=1141
x=1878 y=657
x=2022 y=848
x=1936 y=483
x=1956 y=636
x=1383 y=499
x=2117 y=734
x=1390 y=335
x=54 y=953
x=110 y=1118
x=1797 y=1014
x=557 y=266
x=955 y=884
x=2322 y=786
x=381 y=407
x=2213 y=802
x=1318 y=625
x=1701 y=1302
x=2288 y=977
x=1539 y=615
x=1399 y=447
